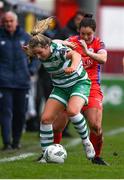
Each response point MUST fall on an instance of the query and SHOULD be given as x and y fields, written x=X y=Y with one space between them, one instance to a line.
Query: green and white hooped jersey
x=56 y=64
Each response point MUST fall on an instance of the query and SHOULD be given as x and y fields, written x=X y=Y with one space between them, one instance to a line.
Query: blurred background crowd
x=68 y=13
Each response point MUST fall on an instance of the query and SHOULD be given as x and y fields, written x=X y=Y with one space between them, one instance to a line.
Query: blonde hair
x=42 y=26
x=39 y=40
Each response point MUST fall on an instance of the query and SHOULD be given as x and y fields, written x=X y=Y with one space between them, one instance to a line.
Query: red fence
x=114 y=62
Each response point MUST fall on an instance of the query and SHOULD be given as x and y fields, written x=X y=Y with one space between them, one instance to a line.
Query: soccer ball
x=55 y=153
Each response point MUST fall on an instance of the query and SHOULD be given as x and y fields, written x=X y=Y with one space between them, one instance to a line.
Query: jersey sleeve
x=62 y=50
x=99 y=45
x=73 y=39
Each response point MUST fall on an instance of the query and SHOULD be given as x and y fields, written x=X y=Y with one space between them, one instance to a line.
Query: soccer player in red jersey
x=93 y=53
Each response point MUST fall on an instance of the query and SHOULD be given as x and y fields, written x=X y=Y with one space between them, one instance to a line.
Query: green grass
x=76 y=166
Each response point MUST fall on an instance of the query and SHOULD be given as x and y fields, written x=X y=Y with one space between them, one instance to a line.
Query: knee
x=60 y=121
x=71 y=111
x=46 y=119
x=56 y=127
x=96 y=128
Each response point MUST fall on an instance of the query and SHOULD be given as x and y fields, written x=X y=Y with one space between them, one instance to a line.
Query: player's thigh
x=78 y=97
x=55 y=104
x=51 y=109
x=60 y=94
x=74 y=105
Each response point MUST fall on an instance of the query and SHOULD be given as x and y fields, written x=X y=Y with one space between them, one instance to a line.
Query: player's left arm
x=75 y=58
x=100 y=56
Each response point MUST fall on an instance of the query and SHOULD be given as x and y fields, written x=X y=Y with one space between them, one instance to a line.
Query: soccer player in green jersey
x=70 y=92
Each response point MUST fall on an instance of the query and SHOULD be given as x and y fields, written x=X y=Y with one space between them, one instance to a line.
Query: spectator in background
x=72 y=26
x=54 y=28
x=1 y=12
x=31 y=114
x=15 y=72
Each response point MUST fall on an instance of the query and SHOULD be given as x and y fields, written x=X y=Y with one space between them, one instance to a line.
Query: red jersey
x=91 y=66
x=93 y=69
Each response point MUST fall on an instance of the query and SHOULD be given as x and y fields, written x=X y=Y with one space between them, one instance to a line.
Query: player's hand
x=84 y=46
x=71 y=44
x=69 y=70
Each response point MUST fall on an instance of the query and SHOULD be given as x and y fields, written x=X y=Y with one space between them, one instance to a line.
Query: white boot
x=89 y=149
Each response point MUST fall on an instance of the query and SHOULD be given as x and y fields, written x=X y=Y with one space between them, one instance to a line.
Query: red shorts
x=95 y=99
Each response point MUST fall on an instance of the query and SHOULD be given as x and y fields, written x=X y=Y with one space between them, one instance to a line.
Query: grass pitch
x=76 y=166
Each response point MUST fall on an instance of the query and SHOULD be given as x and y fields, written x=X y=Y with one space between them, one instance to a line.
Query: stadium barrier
x=113 y=90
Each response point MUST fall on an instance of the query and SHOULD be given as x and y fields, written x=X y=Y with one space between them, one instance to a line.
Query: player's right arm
x=100 y=56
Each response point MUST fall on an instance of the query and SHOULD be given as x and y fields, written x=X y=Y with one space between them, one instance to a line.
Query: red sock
x=97 y=142
x=57 y=137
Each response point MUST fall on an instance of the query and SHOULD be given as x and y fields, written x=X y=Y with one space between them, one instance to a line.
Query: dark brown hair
x=88 y=22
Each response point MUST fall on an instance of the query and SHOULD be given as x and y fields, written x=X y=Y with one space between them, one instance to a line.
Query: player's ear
x=46 y=46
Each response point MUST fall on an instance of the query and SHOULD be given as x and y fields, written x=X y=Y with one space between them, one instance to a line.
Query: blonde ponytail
x=42 y=25
x=38 y=39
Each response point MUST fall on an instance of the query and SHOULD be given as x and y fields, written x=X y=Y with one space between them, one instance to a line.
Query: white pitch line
x=14 y=158
x=115 y=131
x=77 y=141
x=72 y=143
